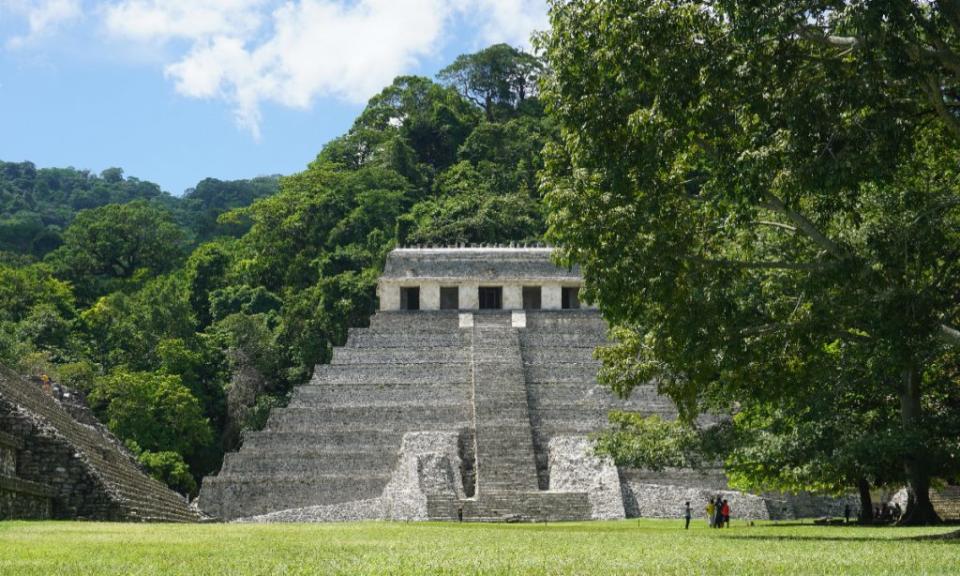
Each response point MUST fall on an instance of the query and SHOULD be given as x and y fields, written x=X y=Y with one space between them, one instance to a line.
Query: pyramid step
x=549 y=506
x=366 y=338
x=353 y=417
x=560 y=355
x=530 y=339
x=392 y=374
x=306 y=461
x=585 y=372
x=412 y=355
x=565 y=321
x=421 y=320
x=383 y=395
x=334 y=440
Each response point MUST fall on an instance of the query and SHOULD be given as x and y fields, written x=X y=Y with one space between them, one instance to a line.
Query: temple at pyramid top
x=477 y=278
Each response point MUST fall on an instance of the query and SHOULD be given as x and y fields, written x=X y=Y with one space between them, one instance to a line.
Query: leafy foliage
x=766 y=195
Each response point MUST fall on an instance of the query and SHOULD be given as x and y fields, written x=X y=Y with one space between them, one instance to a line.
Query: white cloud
x=161 y=20
x=43 y=17
x=248 y=52
x=513 y=21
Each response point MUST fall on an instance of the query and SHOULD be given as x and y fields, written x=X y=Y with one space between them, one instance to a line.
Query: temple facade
x=472 y=394
x=496 y=278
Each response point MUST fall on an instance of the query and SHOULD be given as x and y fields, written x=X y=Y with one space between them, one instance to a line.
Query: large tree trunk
x=866 y=502
x=919 y=508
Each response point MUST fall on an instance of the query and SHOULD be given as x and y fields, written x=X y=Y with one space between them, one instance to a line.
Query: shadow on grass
x=955 y=535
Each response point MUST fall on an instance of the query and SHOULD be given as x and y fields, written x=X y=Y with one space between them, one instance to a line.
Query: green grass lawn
x=627 y=547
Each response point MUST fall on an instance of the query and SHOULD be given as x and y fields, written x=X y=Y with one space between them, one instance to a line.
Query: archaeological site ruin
x=472 y=393
x=57 y=461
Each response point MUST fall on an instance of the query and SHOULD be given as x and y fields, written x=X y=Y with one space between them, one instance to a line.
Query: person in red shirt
x=725 y=512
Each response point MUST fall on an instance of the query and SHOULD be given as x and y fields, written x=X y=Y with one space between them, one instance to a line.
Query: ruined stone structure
x=54 y=466
x=473 y=391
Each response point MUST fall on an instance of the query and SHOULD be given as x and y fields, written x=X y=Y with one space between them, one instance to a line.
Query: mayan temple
x=472 y=392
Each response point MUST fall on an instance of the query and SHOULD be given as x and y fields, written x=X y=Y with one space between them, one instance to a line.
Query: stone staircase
x=91 y=476
x=505 y=455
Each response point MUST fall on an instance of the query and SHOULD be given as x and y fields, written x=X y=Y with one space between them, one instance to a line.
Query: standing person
x=710 y=510
x=686 y=515
x=725 y=510
x=846 y=514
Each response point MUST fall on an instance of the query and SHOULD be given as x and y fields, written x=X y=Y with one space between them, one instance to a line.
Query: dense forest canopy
x=764 y=198
x=37 y=204
x=186 y=319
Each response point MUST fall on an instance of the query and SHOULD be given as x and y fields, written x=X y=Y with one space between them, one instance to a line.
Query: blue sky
x=174 y=91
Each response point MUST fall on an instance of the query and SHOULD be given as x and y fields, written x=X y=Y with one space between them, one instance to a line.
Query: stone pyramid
x=473 y=392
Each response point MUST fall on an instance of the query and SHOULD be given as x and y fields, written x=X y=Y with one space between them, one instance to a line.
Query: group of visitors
x=886 y=513
x=718 y=513
x=882 y=514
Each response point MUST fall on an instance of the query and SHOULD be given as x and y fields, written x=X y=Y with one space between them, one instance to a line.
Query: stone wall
x=574 y=467
x=425 y=484
x=20 y=499
x=667 y=501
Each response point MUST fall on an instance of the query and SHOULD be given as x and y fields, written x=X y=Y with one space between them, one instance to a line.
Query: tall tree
x=106 y=246
x=497 y=79
x=750 y=183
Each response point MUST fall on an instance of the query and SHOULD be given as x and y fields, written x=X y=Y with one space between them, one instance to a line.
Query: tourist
x=725 y=510
x=686 y=515
x=718 y=513
x=710 y=509
x=846 y=514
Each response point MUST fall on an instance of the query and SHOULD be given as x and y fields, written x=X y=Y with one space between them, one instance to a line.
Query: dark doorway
x=531 y=297
x=410 y=298
x=491 y=297
x=570 y=298
x=449 y=298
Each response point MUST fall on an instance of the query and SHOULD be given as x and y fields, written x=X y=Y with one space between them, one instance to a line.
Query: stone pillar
x=468 y=296
x=389 y=296
x=551 y=297
x=430 y=296
x=512 y=297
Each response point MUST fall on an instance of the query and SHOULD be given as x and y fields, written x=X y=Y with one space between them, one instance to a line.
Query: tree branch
x=950 y=335
x=760 y=265
x=777 y=225
x=775 y=204
x=932 y=88
x=830 y=40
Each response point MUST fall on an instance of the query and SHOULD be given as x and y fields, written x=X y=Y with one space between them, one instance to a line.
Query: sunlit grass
x=626 y=547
